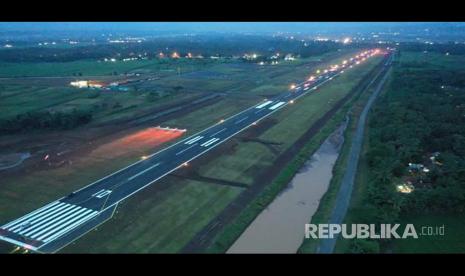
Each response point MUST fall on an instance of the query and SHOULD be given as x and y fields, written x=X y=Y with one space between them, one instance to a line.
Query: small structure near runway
x=171 y=129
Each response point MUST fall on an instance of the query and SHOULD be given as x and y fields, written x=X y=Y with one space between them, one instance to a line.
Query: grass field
x=436 y=60
x=293 y=120
x=105 y=105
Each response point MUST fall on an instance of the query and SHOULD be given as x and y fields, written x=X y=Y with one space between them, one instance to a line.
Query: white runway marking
x=60 y=222
x=29 y=215
x=209 y=142
x=142 y=172
x=263 y=104
x=195 y=139
x=241 y=120
x=276 y=105
x=47 y=220
x=31 y=219
x=58 y=234
x=260 y=111
x=180 y=152
x=102 y=193
x=214 y=134
x=52 y=220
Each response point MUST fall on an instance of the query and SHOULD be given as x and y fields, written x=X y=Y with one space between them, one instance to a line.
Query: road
x=345 y=191
x=57 y=224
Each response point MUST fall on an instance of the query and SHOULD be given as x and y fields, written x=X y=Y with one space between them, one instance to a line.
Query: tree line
x=45 y=120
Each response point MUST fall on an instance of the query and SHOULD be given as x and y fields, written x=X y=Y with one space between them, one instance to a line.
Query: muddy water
x=280 y=227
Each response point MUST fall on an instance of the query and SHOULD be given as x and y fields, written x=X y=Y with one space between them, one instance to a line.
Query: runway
x=57 y=224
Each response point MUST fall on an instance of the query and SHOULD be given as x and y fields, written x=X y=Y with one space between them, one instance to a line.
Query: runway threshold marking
x=49 y=222
x=30 y=214
x=144 y=171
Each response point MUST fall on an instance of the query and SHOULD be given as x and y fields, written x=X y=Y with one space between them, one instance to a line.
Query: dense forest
x=45 y=120
x=419 y=120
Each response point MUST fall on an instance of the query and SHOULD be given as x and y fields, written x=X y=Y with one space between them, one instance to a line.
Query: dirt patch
x=195 y=176
x=141 y=141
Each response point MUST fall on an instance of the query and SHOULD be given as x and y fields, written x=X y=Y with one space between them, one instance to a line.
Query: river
x=280 y=227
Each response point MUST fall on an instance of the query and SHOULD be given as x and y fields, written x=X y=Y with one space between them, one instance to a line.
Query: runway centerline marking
x=241 y=120
x=144 y=171
x=191 y=146
x=214 y=134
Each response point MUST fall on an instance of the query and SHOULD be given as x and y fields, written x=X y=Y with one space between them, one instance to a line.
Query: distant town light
x=79 y=84
x=346 y=40
x=174 y=55
x=405 y=188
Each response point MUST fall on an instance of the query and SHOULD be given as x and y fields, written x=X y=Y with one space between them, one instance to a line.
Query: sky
x=218 y=26
x=341 y=28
